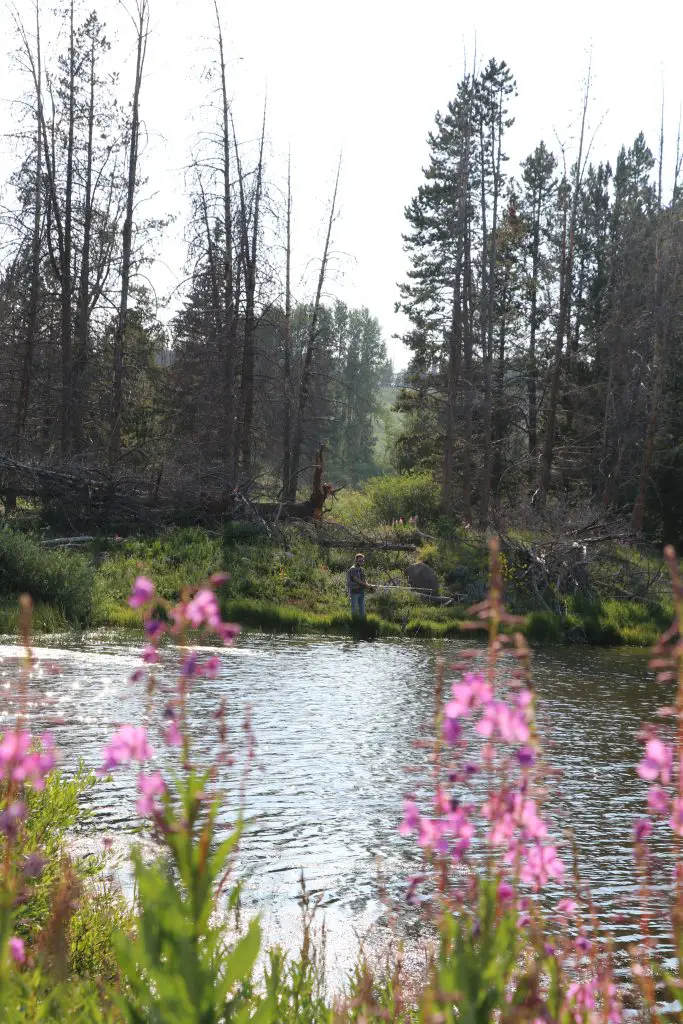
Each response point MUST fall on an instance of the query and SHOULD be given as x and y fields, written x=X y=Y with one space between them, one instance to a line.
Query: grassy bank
x=294 y=584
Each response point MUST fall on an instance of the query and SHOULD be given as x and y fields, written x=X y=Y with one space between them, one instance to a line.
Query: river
x=335 y=723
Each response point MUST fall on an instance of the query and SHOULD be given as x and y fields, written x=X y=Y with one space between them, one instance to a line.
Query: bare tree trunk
x=311 y=344
x=66 y=274
x=454 y=371
x=496 y=156
x=142 y=28
x=81 y=334
x=229 y=298
x=248 y=348
x=34 y=289
x=532 y=382
x=468 y=353
x=287 y=347
x=563 y=320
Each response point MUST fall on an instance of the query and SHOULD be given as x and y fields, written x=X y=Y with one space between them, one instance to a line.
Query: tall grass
x=63 y=580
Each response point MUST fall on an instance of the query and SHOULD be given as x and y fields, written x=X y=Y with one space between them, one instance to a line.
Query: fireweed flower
x=504 y=892
x=17 y=950
x=203 y=608
x=154 y=629
x=580 y=999
x=171 y=733
x=142 y=592
x=657 y=762
x=567 y=907
x=411 y=818
x=19 y=764
x=149 y=787
x=11 y=819
x=540 y=864
x=470 y=694
x=657 y=800
x=228 y=631
x=150 y=654
x=676 y=821
x=642 y=829
x=500 y=720
x=212 y=667
x=128 y=744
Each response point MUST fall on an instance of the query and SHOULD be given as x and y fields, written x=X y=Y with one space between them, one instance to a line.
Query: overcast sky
x=366 y=77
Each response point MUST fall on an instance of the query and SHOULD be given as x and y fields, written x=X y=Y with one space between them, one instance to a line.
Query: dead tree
x=311 y=345
x=141 y=21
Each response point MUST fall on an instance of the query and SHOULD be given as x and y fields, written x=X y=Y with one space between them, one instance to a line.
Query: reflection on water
x=335 y=723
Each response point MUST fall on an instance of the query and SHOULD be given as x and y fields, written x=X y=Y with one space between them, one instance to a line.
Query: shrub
x=403 y=496
x=59 y=578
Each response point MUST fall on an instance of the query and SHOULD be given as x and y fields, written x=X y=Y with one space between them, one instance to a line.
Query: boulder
x=423 y=577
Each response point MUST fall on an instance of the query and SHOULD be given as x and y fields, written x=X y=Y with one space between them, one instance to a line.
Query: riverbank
x=295 y=584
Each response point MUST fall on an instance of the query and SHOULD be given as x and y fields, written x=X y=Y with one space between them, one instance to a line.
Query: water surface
x=335 y=723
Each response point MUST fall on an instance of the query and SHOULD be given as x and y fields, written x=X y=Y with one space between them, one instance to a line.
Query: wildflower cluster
x=197 y=612
x=512 y=823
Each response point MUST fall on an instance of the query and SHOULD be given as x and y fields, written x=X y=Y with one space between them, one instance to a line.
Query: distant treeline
x=247 y=378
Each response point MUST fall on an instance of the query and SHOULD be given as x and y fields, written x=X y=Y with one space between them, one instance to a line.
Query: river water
x=335 y=723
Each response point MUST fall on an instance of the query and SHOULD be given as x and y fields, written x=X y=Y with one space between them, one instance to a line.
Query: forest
x=544 y=309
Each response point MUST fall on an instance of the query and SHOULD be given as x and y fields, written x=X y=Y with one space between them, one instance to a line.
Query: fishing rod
x=413 y=590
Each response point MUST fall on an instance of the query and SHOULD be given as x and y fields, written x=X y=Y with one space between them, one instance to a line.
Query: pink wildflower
x=462 y=830
x=567 y=907
x=431 y=835
x=150 y=787
x=504 y=892
x=129 y=743
x=580 y=999
x=502 y=720
x=173 y=735
x=228 y=631
x=219 y=578
x=411 y=818
x=154 y=629
x=468 y=695
x=150 y=654
x=11 y=818
x=642 y=829
x=190 y=666
x=676 y=821
x=212 y=667
x=540 y=864
x=142 y=592
x=18 y=764
x=657 y=800
x=657 y=762
x=17 y=950
x=452 y=730
x=203 y=608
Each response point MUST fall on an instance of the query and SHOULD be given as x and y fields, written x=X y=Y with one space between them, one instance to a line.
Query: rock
x=422 y=577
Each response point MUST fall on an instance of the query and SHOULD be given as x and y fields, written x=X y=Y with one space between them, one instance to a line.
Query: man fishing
x=356 y=584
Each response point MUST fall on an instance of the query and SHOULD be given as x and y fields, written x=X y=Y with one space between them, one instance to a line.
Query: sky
x=365 y=79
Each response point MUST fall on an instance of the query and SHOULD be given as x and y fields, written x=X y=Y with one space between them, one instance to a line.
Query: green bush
x=403 y=496
x=60 y=578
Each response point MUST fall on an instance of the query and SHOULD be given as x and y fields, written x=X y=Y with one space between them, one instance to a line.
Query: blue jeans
x=358 y=604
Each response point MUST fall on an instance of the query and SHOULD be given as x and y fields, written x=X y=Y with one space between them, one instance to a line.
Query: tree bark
x=311 y=344
x=287 y=347
x=142 y=28
x=34 y=288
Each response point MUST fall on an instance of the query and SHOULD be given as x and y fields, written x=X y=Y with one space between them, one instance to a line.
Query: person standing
x=357 y=584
